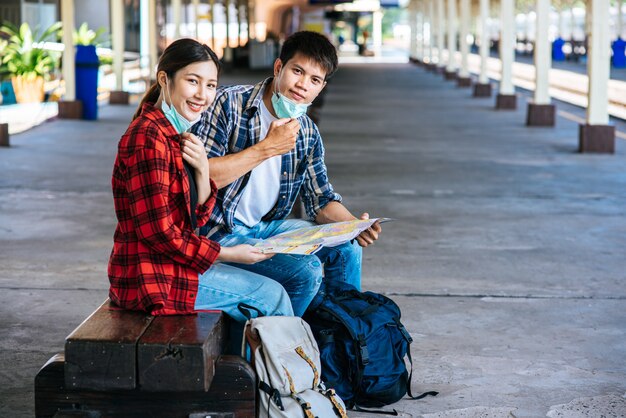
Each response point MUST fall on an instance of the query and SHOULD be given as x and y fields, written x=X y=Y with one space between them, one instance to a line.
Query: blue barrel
x=8 y=95
x=87 y=64
x=619 y=53
x=557 y=50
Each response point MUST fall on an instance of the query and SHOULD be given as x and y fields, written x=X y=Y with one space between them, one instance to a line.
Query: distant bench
x=126 y=363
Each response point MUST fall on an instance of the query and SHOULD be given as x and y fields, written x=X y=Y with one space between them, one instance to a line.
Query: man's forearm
x=226 y=169
x=334 y=212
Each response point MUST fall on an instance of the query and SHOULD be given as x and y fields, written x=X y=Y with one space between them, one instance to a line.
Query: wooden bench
x=124 y=363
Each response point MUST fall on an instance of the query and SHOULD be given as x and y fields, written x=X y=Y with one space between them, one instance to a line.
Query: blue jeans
x=271 y=284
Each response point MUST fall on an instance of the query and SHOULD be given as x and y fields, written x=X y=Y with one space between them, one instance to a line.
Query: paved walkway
x=506 y=256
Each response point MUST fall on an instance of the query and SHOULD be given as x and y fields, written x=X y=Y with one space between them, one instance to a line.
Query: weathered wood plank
x=178 y=353
x=100 y=353
x=232 y=394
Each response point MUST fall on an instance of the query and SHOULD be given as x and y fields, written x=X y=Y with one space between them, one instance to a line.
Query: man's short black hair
x=314 y=46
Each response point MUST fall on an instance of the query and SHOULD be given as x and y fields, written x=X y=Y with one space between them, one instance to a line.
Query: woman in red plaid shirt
x=162 y=192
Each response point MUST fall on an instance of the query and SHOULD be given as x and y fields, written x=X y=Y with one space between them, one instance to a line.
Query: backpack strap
x=409 y=340
x=292 y=386
x=246 y=310
x=306 y=407
x=408 y=382
x=274 y=394
x=316 y=375
x=332 y=397
x=375 y=411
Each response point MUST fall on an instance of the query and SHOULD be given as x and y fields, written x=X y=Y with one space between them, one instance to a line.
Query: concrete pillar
x=543 y=56
x=620 y=19
x=196 y=11
x=152 y=37
x=118 y=96
x=430 y=4
x=413 y=28
x=212 y=14
x=238 y=11
x=483 y=87
x=463 y=78
x=540 y=111
x=69 y=71
x=377 y=31
x=451 y=66
x=228 y=52
x=148 y=37
x=248 y=20
x=117 y=40
x=440 y=27
x=419 y=52
x=596 y=135
x=144 y=36
x=176 y=18
x=506 y=96
x=69 y=107
x=252 y=19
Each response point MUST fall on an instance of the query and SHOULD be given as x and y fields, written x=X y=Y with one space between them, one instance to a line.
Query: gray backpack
x=287 y=361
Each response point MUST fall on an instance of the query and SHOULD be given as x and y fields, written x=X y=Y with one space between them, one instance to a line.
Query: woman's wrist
x=225 y=254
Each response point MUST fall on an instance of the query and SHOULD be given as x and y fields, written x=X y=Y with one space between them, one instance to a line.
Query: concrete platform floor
x=506 y=256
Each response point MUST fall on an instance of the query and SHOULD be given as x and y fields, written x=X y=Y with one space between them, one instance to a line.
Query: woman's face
x=192 y=90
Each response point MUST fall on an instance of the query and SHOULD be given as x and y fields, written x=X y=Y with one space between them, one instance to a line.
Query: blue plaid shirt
x=232 y=124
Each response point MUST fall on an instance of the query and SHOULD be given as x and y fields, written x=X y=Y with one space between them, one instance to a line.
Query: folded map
x=310 y=239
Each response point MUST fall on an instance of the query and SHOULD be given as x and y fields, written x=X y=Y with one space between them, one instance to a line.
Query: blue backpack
x=362 y=345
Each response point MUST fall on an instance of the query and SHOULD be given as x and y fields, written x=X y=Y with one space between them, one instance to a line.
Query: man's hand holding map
x=311 y=239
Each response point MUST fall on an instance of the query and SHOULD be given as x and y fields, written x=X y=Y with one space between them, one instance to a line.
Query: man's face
x=301 y=79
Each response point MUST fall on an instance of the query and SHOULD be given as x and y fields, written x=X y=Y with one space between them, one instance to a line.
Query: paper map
x=310 y=240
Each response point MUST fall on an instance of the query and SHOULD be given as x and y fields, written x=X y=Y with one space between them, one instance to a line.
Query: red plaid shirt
x=156 y=255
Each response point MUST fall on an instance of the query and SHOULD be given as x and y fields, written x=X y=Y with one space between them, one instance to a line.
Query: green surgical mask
x=286 y=108
x=180 y=123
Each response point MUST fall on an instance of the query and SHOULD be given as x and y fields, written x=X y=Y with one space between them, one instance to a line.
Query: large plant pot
x=28 y=89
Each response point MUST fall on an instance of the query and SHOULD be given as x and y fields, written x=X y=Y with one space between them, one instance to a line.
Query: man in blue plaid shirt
x=263 y=152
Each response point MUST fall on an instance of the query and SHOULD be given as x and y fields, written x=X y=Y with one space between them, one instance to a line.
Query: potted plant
x=26 y=62
x=85 y=36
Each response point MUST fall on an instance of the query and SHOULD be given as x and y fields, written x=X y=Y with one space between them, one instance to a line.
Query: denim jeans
x=283 y=285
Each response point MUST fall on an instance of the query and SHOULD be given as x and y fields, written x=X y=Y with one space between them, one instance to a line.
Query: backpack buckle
x=365 y=354
x=403 y=331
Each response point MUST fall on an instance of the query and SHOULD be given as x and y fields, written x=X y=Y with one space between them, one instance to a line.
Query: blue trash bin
x=87 y=64
x=619 y=57
x=557 y=50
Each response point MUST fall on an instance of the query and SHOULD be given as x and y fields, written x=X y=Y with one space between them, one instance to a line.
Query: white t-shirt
x=263 y=187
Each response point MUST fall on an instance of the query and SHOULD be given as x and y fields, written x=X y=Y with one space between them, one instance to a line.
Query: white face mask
x=284 y=107
x=180 y=123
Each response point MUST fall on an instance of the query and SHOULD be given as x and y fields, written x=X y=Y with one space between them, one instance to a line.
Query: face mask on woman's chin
x=180 y=123
x=284 y=107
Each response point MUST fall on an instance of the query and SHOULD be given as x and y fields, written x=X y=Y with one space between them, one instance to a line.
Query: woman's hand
x=243 y=254
x=195 y=155
x=194 y=152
